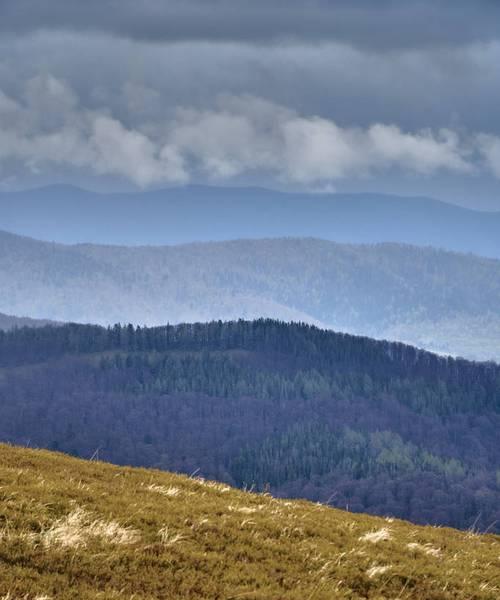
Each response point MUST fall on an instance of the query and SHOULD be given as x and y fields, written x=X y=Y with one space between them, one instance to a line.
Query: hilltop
x=76 y=529
x=443 y=301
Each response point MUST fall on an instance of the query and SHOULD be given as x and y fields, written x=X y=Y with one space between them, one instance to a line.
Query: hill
x=200 y=213
x=445 y=302
x=76 y=529
x=378 y=427
x=10 y=322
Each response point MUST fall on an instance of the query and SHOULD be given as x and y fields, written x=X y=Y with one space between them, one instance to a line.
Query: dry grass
x=170 y=491
x=374 y=537
x=377 y=570
x=72 y=529
x=425 y=548
x=78 y=528
x=8 y=596
x=169 y=538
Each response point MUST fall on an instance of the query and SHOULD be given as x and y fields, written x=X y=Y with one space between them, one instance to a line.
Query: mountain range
x=201 y=213
x=443 y=301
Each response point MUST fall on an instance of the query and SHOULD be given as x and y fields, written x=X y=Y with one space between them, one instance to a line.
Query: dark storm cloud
x=301 y=94
x=381 y=24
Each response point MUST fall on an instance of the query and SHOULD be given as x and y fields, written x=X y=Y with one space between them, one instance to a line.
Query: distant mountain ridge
x=201 y=213
x=442 y=301
x=9 y=322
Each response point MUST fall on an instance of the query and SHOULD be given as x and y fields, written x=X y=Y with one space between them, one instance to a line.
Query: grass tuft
x=377 y=570
x=374 y=537
x=78 y=528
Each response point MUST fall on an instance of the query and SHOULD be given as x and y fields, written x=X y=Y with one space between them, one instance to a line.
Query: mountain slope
x=198 y=213
x=76 y=529
x=379 y=427
x=443 y=301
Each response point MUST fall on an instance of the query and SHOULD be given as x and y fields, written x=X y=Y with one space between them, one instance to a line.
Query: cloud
x=249 y=134
x=383 y=24
x=423 y=152
x=138 y=82
x=239 y=135
x=52 y=129
x=369 y=89
x=489 y=146
x=132 y=154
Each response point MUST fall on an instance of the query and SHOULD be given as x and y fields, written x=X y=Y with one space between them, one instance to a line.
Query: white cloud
x=132 y=154
x=489 y=146
x=423 y=151
x=50 y=128
x=245 y=134
x=240 y=135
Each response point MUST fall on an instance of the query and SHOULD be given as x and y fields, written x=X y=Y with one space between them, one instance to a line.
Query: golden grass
x=79 y=528
x=72 y=529
x=374 y=537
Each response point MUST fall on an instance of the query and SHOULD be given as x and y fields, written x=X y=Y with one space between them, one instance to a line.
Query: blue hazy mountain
x=200 y=213
x=8 y=322
x=436 y=299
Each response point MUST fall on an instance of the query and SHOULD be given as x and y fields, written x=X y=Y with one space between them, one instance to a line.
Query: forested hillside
x=446 y=302
x=196 y=213
x=373 y=426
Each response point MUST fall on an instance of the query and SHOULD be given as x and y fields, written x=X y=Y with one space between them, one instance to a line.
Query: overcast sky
x=398 y=96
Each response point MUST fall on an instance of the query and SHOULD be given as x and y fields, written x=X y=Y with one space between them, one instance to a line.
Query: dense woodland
x=373 y=426
x=442 y=301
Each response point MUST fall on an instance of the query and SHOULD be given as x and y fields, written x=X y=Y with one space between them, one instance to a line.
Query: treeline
x=421 y=379
x=371 y=425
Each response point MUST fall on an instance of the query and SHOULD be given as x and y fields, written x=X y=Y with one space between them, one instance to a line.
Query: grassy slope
x=86 y=530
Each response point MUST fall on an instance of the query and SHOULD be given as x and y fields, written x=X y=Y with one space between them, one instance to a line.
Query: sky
x=397 y=96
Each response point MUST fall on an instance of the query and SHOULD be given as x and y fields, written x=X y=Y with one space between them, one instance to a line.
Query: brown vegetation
x=87 y=530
